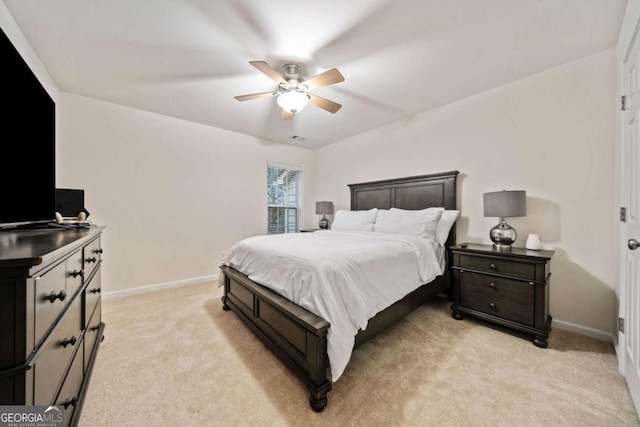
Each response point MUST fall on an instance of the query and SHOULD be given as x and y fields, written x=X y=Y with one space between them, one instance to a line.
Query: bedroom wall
x=551 y=134
x=173 y=194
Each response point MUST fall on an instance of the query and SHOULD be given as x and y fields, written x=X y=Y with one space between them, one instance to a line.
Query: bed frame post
x=317 y=360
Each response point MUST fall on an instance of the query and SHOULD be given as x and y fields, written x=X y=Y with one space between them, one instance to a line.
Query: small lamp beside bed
x=324 y=208
x=504 y=204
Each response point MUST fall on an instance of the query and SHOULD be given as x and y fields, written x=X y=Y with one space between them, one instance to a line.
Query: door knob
x=633 y=244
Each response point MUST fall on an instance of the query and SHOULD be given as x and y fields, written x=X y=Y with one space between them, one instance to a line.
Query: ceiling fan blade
x=256 y=96
x=325 y=104
x=266 y=69
x=286 y=115
x=324 y=79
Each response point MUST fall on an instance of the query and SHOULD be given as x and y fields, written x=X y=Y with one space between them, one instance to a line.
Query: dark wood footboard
x=297 y=336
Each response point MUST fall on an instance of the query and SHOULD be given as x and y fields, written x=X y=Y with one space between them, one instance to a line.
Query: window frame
x=299 y=175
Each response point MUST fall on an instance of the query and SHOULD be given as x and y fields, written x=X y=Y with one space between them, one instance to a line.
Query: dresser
x=50 y=316
x=507 y=287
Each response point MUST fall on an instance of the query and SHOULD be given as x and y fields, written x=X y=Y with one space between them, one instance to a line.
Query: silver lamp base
x=324 y=223
x=503 y=235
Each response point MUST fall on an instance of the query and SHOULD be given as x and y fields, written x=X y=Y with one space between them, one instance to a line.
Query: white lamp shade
x=293 y=102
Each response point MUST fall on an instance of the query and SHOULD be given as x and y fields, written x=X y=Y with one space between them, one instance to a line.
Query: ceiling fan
x=293 y=91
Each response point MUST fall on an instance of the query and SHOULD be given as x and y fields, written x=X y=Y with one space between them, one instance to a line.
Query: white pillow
x=447 y=220
x=421 y=223
x=354 y=220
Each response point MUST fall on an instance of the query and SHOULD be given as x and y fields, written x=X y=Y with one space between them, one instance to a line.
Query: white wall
x=173 y=194
x=551 y=134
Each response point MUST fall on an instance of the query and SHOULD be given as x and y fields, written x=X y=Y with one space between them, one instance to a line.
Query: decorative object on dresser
x=324 y=208
x=503 y=204
x=50 y=312
x=299 y=337
x=507 y=288
x=533 y=242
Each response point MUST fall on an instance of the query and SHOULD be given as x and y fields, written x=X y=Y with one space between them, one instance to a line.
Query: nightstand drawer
x=500 y=307
x=498 y=266
x=496 y=287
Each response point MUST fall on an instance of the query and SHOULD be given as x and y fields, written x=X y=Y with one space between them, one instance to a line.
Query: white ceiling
x=189 y=58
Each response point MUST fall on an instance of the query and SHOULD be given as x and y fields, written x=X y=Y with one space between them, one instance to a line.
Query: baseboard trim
x=582 y=330
x=159 y=286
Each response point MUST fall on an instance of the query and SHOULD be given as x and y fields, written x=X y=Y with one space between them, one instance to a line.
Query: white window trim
x=284 y=165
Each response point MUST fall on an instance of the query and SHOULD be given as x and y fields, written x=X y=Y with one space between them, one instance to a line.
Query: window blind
x=284 y=195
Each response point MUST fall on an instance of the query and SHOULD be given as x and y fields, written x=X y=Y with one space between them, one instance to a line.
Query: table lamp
x=504 y=204
x=324 y=208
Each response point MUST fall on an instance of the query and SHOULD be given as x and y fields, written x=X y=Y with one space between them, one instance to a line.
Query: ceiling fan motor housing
x=292 y=72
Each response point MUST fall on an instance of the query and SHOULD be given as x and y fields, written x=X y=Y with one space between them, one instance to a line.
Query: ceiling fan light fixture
x=293 y=101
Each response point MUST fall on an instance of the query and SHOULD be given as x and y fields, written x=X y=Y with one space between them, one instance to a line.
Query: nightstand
x=506 y=287
x=308 y=230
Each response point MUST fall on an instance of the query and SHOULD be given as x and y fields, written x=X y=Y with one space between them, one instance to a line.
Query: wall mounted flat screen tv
x=28 y=145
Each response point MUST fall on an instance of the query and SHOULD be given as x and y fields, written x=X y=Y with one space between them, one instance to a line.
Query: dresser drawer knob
x=71 y=402
x=94 y=328
x=492 y=304
x=67 y=341
x=90 y=260
x=493 y=267
x=76 y=273
x=95 y=291
x=97 y=251
x=60 y=295
x=492 y=285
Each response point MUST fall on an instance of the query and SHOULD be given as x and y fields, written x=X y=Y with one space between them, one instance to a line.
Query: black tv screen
x=27 y=174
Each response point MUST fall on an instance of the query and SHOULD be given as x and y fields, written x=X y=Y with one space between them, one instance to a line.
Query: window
x=284 y=198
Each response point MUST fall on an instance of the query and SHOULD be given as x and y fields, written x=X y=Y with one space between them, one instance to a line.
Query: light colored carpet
x=175 y=358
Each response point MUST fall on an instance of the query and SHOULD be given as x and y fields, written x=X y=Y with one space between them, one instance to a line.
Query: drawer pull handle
x=492 y=285
x=76 y=273
x=60 y=295
x=95 y=291
x=90 y=260
x=71 y=402
x=67 y=341
x=97 y=251
x=492 y=305
x=493 y=267
x=94 y=328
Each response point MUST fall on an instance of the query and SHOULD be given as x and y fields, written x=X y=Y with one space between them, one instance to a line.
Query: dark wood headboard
x=415 y=192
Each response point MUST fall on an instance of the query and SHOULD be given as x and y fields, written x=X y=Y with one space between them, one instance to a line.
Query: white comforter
x=343 y=277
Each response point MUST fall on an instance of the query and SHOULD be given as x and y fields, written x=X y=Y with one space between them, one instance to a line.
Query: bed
x=298 y=336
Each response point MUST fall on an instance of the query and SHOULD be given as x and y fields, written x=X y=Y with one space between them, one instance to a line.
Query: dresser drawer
x=51 y=298
x=91 y=257
x=496 y=287
x=498 y=266
x=51 y=363
x=91 y=297
x=500 y=307
x=91 y=334
x=70 y=390
x=75 y=273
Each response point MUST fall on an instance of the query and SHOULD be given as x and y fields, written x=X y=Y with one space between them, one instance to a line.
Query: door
x=628 y=346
